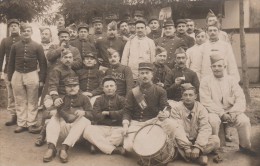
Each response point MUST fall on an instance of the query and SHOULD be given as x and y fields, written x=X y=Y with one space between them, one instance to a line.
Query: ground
x=19 y=149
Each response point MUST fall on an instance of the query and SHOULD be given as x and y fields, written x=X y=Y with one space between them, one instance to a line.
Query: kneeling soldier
x=69 y=122
x=107 y=135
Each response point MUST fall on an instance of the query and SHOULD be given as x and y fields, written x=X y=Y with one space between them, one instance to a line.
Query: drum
x=153 y=146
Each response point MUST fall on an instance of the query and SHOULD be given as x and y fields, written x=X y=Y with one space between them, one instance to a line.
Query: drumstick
x=156 y=120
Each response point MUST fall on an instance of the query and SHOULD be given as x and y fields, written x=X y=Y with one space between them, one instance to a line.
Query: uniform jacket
x=103 y=44
x=189 y=41
x=25 y=56
x=113 y=104
x=159 y=72
x=84 y=46
x=5 y=49
x=173 y=90
x=77 y=102
x=54 y=53
x=170 y=43
x=124 y=78
x=156 y=99
x=90 y=80
x=197 y=129
x=155 y=34
x=138 y=50
x=222 y=95
x=223 y=48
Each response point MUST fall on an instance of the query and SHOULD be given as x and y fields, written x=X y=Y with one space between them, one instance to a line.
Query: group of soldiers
x=102 y=87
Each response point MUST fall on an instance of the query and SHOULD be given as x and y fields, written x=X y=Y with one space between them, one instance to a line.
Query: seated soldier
x=107 y=135
x=90 y=77
x=160 y=68
x=56 y=88
x=194 y=138
x=73 y=115
x=123 y=74
x=180 y=74
x=225 y=101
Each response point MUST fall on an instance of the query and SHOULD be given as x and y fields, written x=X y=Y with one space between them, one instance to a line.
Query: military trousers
x=10 y=96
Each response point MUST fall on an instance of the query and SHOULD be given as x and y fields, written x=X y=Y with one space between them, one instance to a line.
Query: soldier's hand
x=105 y=112
x=125 y=38
x=70 y=118
x=125 y=129
x=48 y=103
x=195 y=153
x=188 y=153
x=226 y=118
x=160 y=84
x=178 y=80
x=80 y=113
x=87 y=94
x=58 y=102
x=41 y=84
x=162 y=115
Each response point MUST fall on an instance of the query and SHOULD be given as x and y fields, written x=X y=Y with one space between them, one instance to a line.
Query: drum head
x=149 y=143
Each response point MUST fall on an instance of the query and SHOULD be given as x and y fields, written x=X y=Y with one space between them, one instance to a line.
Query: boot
x=203 y=160
x=41 y=139
x=50 y=154
x=12 y=121
x=64 y=153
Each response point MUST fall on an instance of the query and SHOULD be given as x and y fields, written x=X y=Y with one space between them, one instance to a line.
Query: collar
x=146 y=85
x=115 y=66
x=170 y=37
x=74 y=96
x=83 y=39
x=88 y=68
x=47 y=42
x=178 y=68
x=158 y=64
x=181 y=34
x=65 y=67
x=26 y=40
x=15 y=34
x=109 y=96
x=213 y=40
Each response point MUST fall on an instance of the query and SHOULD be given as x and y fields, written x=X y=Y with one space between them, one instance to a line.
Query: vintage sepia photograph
x=130 y=82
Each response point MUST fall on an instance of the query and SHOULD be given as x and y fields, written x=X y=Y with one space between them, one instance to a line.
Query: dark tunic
x=159 y=72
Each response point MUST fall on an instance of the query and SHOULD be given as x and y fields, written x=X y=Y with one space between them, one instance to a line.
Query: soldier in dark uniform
x=73 y=30
x=181 y=31
x=131 y=25
x=73 y=115
x=84 y=43
x=123 y=28
x=97 y=23
x=180 y=75
x=154 y=25
x=170 y=42
x=5 y=47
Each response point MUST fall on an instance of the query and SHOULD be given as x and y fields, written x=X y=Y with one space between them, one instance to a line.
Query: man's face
x=111 y=33
x=131 y=28
x=67 y=59
x=189 y=97
x=46 y=36
x=109 y=88
x=140 y=29
x=154 y=25
x=181 y=28
x=212 y=20
x=169 y=31
x=218 y=68
x=83 y=33
x=181 y=60
x=213 y=32
x=73 y=34
x=161 y=58
x=114 y=58
x=124 y=29
x=60 y=22
x=138 y=17
x=89 y=61
x=98 y=27
x=201 y=38
x=64 y=37
x=27 y=33
x=14 y=28
x=190 y=27
x=72 y=89
x=145 y=76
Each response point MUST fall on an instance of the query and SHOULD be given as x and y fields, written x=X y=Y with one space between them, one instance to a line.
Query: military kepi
x=215 y=57
x=71 y=81
x=24 y=26
x=13 y=21
x=179 y=50
x=108 y=78
x=145 y=65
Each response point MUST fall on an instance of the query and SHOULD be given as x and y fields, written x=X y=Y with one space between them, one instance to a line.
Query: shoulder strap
x=139 y=97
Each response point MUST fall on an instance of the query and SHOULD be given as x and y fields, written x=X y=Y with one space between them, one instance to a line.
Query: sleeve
x=97 y=107
x=54 y=53
x=54 y=82
x=196 y=82
x=175 y=114
x=99 y=89
x=170 y=85
x=117 y=114
x=129 y=79
x=231 y=63
x=77 y=61
x=2 y=54
x=206 y=101
x=204 y=130
x=11 y=63
x=42 y=63
x=87 y=108
x=129 y=106
x=125 y=55
x=163 y=99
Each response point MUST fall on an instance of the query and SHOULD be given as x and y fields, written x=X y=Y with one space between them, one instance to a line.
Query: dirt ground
x=19 y=149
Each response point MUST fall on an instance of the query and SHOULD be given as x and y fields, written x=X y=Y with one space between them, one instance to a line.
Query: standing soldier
x=190 y=28
x=83 y=43
x=46 y=38
x=123 y=30
x=24 y=57
x=97 y=23
x=131 y=25
x=73 y=30
x=154 y=25
x=5 y=47
x=138 y=15
x=170 y=42
x=181 y=31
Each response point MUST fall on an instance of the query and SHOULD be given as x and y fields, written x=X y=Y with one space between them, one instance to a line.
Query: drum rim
x=159 y=149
